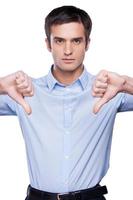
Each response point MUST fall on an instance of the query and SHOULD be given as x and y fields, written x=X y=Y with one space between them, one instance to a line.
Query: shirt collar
x=84 y=78
x=51 y=80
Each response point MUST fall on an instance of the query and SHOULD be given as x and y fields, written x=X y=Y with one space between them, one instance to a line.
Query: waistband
x=86 y=194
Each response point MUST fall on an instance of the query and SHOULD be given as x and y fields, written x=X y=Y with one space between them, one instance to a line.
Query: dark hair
x=67 y=14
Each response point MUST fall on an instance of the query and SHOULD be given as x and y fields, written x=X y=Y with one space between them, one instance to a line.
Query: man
x=67 y=145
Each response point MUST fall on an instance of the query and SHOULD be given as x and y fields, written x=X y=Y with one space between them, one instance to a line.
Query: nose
x=68 y=49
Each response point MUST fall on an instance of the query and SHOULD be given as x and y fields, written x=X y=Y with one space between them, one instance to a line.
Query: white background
x=22 y=47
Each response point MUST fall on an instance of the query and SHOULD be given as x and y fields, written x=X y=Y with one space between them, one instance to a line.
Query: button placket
x=67 y=142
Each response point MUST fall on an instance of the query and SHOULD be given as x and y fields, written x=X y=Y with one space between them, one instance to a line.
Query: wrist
x=2 y=88
x=124 y=83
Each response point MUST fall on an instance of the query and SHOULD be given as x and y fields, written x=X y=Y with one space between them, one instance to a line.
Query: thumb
x=99 y=104
x=25 y=105
x=20 y=99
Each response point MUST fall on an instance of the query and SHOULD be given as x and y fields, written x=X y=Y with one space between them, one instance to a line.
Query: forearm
x=128 y=84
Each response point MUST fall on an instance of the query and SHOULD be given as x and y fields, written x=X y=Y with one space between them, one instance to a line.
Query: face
x=68 y=46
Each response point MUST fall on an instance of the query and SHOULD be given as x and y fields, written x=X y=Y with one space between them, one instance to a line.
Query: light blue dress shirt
x=67 y=146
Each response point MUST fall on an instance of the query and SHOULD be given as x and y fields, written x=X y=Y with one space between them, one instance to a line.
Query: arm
x=17 y=85
x=107 y=85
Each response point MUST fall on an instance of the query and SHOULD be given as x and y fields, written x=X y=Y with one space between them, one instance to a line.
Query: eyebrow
x=76 y=38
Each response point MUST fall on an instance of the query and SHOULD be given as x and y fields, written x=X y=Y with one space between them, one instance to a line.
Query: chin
x=69 y=68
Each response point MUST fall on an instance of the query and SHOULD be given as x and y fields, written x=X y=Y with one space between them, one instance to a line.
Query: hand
x=18 y=85
x=106 y=86
x=24 y=84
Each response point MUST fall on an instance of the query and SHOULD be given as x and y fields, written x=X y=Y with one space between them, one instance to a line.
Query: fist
x=100 y=84
x=106 y=86
x=24 y=84
x=18 y=85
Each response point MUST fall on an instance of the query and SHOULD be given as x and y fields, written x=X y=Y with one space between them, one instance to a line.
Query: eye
x=59 y=41
x=77 y=41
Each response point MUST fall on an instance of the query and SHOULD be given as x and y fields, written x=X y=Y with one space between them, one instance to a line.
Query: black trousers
x=95 y=193
x=97 y=198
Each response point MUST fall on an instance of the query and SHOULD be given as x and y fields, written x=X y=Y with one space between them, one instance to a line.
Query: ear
x=88 y=44
x=48 y=44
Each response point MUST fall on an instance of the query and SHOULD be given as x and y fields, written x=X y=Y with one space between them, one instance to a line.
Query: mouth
x=68 y=60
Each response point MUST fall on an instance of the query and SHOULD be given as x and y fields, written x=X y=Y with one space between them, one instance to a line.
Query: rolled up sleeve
x=126 y=103
x=7 y=105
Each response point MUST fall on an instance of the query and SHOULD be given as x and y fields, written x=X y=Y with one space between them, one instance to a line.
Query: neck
x=67 y=77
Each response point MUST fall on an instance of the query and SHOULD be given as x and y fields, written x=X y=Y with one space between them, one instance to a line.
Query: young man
x=67 y=145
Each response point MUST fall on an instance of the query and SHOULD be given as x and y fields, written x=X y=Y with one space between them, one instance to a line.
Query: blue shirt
x=67 y=146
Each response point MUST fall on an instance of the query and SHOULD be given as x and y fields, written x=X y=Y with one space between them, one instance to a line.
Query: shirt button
x=67 y=132
x=66 y=182
x=66 y=156
x=68 y=89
